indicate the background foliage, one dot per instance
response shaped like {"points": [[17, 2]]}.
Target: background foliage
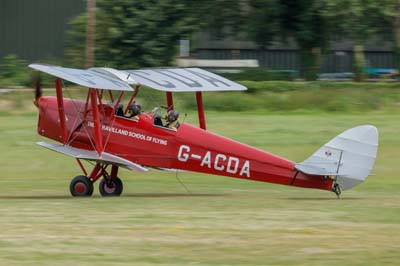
{"points": [[132, 34], [139, 33], [13, 72]]}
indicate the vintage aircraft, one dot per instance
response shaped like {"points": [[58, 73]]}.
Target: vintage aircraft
{"points": [[100, 132]]}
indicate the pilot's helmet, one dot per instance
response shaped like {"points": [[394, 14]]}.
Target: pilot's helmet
{"points": [[135, 109], [172, 115]]}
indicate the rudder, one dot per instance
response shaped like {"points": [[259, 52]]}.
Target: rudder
{"points": [[349, 157]]}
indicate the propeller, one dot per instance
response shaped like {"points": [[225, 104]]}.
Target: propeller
{"points": [[37, 83]]}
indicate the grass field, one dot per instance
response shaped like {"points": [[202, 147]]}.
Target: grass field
{"points": [[221, 221]]}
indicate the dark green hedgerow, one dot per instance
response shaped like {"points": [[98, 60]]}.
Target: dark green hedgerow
{"points": [[271, 96]]}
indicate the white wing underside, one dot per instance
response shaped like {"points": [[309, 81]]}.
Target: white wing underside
{"points": [[164, 79], [93, 156], [87, 78]]}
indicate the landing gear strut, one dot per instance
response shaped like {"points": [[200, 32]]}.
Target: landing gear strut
{"points": [[110, 185], [336, 189]]}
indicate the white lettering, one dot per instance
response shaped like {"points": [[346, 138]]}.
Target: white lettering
{"points": [[245, 169], [131, 134], [196, 156], [233, 164], [221, 161], [206, 160], [183, 157], [159, 141], [217, 158]]}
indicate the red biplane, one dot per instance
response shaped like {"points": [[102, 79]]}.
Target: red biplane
{"points": [[101, 132]]}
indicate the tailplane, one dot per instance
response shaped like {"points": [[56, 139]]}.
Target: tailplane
{"points": [[348, 158]]}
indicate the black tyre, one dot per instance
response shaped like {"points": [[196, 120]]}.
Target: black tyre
{"points": [[81, 186], [113, 187]]}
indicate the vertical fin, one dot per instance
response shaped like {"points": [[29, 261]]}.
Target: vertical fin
{"points": [[350, 157]]}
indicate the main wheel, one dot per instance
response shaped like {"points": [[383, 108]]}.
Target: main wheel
{"points": [[81, 186], [113, 187]]}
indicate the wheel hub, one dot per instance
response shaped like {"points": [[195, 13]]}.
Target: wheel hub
{"points": [[109, 188], [80, 188]]}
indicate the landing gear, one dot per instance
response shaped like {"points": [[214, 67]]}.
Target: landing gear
{"points": [[111, 187], [336, 189], [81, 186]]}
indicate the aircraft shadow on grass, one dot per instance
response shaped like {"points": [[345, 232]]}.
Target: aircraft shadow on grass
{"points": [[138, 195], [170, 195], [317, 199]]}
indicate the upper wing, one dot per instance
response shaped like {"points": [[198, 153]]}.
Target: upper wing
{"points": [[164, 79], [91, 78], [183, 79]]}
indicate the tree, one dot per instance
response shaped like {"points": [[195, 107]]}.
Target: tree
{"points": [[221, 17], [263, 21], [306, 21], [90, 33], [392, 25], [75, 42], [133, 33], [358, 20]]}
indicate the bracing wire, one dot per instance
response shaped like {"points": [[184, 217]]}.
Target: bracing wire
{"points": [[78, 116], [76, 109], [183, 185]]}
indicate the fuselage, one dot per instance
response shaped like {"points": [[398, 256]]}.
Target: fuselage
{"points": [[187, 148]]}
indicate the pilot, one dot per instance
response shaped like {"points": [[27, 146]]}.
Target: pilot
{"points": [[172, 119], [134, 111]]}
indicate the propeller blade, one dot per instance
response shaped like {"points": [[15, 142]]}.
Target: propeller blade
{"points": [[37, 83]]}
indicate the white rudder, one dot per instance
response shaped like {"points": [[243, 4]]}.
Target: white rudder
{"points": [[349, 157]]}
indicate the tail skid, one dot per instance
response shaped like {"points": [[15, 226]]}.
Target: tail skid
{"points": [[348, 158]]}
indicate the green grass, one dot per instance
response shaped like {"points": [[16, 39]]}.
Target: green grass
{"points": [[222, 221], [309, 97], [267, 96]]}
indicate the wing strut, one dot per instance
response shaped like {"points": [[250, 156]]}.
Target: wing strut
{"points": [[132, 98], [61, 113], [96, 120], [170, 101], [200, 110]]}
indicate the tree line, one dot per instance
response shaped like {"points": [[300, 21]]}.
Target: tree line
{"points": [[145, 33]]}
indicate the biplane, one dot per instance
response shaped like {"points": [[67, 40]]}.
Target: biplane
{"points": [[102, 133]]}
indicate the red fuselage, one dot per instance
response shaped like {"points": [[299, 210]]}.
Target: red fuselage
{"points": [[188, 148]]}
